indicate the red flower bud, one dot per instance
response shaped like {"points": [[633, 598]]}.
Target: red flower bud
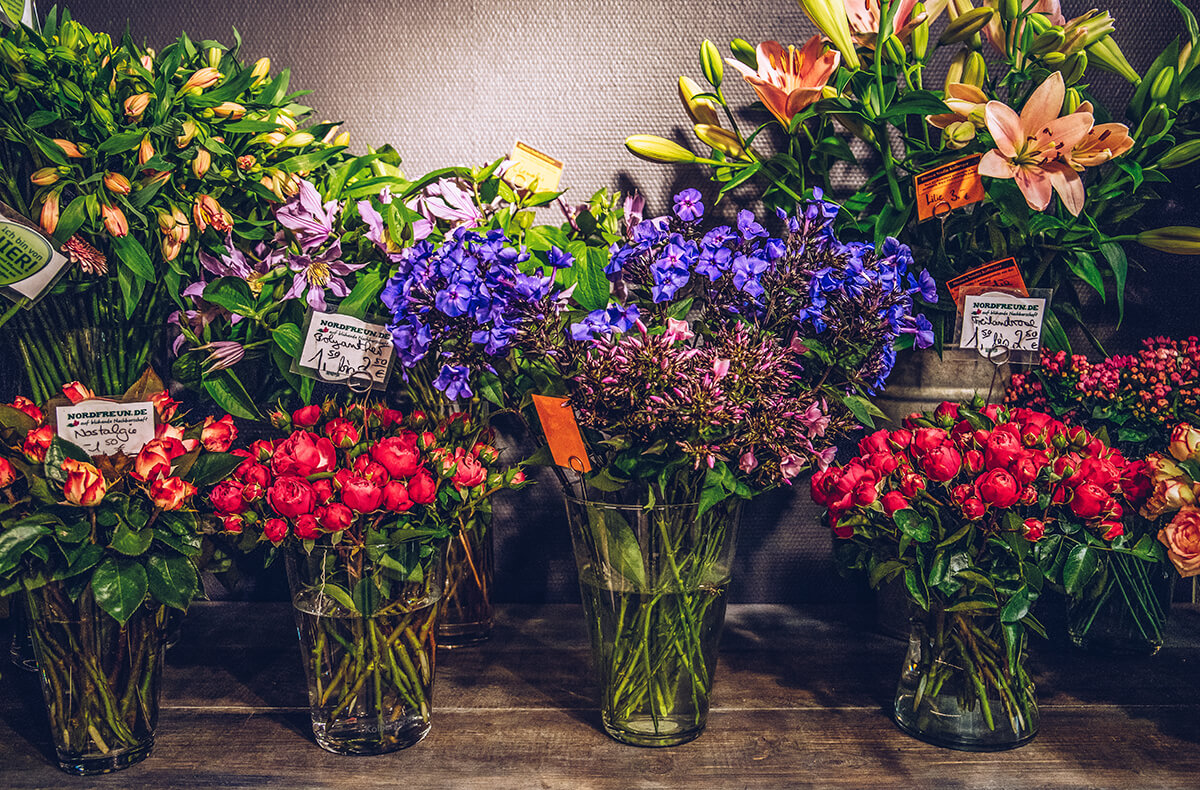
{"points": [[37, 443], [926, 439], [973, 509], [303, 454], [377, 473], [395, 497], [941, 463], [999, 489], [226, 498], [342, 433], [307, 416], [323, 489], [336, 517], [275, 529], [1090, 501], [422, 488], [471, 473], [29, 407], [233, 524], [874, 443], [1034, 529], [169, 493], [1112, 529], [361, 494], [7, 475], [893, 501], [84, 486], [306, 527]]}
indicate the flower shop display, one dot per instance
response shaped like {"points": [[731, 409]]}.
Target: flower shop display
{"points": [[129, 161], [101, 545], [364, 500], [974, 507], [1133, 401], [1013, 156]]}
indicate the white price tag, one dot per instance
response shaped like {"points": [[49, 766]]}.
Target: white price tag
{"points": [[995, 324], [104, 427], [339, 348]]}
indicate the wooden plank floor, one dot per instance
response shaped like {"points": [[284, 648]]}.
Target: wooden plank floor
{"points": [[801, 701]]}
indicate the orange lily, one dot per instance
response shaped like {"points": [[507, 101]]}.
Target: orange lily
{"points": [[788, 81], [1034, 147]]}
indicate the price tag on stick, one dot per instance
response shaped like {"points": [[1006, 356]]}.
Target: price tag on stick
{"points": [[345, 350], [943, 189], [1003, 275], [529, 168]]}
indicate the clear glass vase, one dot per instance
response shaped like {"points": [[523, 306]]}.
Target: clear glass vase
{"points": [[367, 623], [101, 680], [467, 616], [1126, 613], [958, 688], [653, 582]]}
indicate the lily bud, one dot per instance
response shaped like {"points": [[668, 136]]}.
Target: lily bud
{"points": [[201, 162], [1009, 10], [69, 148], [1072, 101], [135, 106], [114, 220], [958, 135], [700, 110], [1177, 239], [1054, 59], [1107, 55], [116, 183], [286, 121], [745, 52], [229, 109], [1155, 122], [711, 63], [145, 150], [966, 25], [720, 139], [920, 35], [45, 176], [262, 68], [271, 138], [201, 80], [1039, 23], [1160, 90], [1073, 70], [657, 149], [957, 66], [189, 133], [342, 139], [49, 215], [893, 50], [297, 140], [147, 62], [1181, 155], [214, 55], [975, 72], [830, 18], [1049, 41]]}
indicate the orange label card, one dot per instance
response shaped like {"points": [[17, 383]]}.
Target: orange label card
{"points": [[948, 187], [527, 165], [562, 433], [1003, 274]]}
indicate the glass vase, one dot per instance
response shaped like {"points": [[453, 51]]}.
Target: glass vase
{"points": [[367, 619], [1126, 613], [467, 616], [653, 582], [101, 680], [958, 687]]}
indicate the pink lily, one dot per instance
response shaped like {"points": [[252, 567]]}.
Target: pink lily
{"points": [[865, 17], [789, 80], [1033, 148]]}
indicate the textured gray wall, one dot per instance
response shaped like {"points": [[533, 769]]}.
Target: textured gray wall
{"points": [[457, 83]]}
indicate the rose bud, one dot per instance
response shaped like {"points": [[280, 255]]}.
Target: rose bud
{"points": [[422, 488], [947, 411], [865, 493], [515, 477], [941, 463], [1090, 501], [377, 473], [324, 490], [280, 419], [76, 392], [999, 489], [398, 454], [973, 508], [395, 497], [893, 501], [963, 434], [252, 492], [275, 530], [292, 496], [427, 440], [974, 461], [84, 486], [991, 411], [226, 498], [152, 462], [900, 438], [911, 484], [362, 494], [217, 436], [485, 453], [7, 475], [307, 417], [169, 493], [390, 417], [1029, 495], [1034, 529], [232, 524], [250, 471], [1025, 468], [962, 492], [1002, 449], [37, 443], [1181, 536], [29, 407], [1185, 442], [1135, 483], [306, 527], [263, 449], [343, 433], [1112, 529], [164, 405], [337, 517]]}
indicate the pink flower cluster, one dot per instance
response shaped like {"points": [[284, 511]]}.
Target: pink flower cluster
{"points": [[979, 465]]}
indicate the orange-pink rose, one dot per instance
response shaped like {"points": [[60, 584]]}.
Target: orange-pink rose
{"points": [[1182, 539], [85, 486]]}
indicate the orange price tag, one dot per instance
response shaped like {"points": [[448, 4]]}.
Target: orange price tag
{"points": [[562, 433], [1002, 274], [948, 187], [529, 167]]}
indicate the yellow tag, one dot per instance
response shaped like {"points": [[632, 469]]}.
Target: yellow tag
{"points": [[997, 274], [948, 187], [562, 433], [528, 165]]}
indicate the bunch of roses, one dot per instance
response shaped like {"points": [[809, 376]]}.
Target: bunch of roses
{"points": [[155, 468], [358, 468], [1176, 489], [977, 466]]}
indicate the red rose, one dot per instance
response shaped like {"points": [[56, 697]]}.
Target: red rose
{"points": [[874, 443], [973, 508], [1090, 501], [226, 498], [218, 435], [900, 439], [29, 407], [276, 529], [291, 496], [911, 484], [882, 463], [336, 517], [398, 454], [232, 524], [1112, 529], [262, 450], [376, 472], [1029, 495], [37, 443], [303, 454], [1100, 471], [947, 410], [991, 411], [342, 433], [1034, 529], [395, 497], [152, 462], [822, 484], [974, 461], [252, 492], [169, 493], [84, 486], [77, 393], [323, 488], [942, 463], [306, 527], [166, 406], [422, 488], [1035, 425], [963, 434], [1025, 468], [893, 501], [361, 494], [962, 492], [307, 417], [471, 473], [7, 475], [1003, 448], [926, 439], [999, 489], [1135, 483], [250, 471]]}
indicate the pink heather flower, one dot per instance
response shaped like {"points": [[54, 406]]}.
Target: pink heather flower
{"points": [[678, 330], [720, 369]]}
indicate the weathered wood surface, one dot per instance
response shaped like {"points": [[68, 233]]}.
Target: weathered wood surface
{"points": [[801, 701]]}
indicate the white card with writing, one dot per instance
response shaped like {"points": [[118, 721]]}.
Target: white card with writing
{"points": [[998, 323], [103, 427], [339, 348]]}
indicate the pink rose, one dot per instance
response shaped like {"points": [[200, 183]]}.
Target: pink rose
{"points": [[303, 454], [941, 463], [336, 517], [422, 488], [999, 489], [398, 454], [1182, 539], [218, 435], [1185, 442], [361, 494], [275, 529], [292, 496], [395, 497], [226, 498]]}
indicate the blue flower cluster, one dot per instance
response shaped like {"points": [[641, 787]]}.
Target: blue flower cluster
{"points": [[469, 296]]}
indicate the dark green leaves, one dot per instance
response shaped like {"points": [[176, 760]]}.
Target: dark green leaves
{"points": [[172, 580], [912, 524], [120, 586], [1080, 565], [616, 544], [232, 293]]}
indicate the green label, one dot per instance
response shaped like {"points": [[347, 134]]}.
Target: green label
{"points": [[23, 252]]}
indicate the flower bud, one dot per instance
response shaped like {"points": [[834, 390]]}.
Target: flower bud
{"points": [[145, 150], [1039, 23], [201, 162], [720, 139], [49, 216], [262, 68], [189, 133], [657, 149], [1071, 101], [116, 183], [744, 51], [1009, 10], [975, 70], [1181, 155], [893, 50], [45, 176], [711, 63], [1160, 89], [958, 135], [114, 219], [84, 486], [342, 139], [966, 25], [700, 110], [1155, 122], [297, 140], [1176, 239], [69, 148], [920, 35], [229, 109], [214, 55], [1075, 67], [1107, 55], [1050, 41], [135, 106], [958, 65], [7, 474], [201, 80]]}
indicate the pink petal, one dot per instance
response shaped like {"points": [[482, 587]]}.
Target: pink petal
{"points": [[1005, 126], [1068, 185], [1067, 132], [993, 164], [1034, 183], [1044, 105]]}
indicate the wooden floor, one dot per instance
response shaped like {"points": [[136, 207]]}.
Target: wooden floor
{"points": [[801, 701]]}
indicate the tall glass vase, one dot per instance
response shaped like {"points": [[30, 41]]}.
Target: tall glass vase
{"points": [[1126, 613], [653, 582], [367, 619], [467, 616], [101, 680], [958, 687]]}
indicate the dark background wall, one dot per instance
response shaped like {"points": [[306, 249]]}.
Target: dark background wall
{"points": [[457, 83]]}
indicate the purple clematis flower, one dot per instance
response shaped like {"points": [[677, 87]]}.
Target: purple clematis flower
{"points": [[306, 217], [316, 273]]}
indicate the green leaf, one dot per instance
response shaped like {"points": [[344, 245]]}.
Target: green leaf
{"points": [[120, 586], [915, 103], [862, 409], [230, 395], [83, 558], [884, 570], [1115, 255], [1081, 564], [310, 161], [915, 590], [743, 175], [16, 419], [1055, 338], [72, 219], [540, 238], [716, 487], [366, 597], [913, 525], [592, 286], [15, 541], [120, 142], [131, 542], [60, 450], [211, 468], [172, 580], [232, 293], [289, 338], [616, 544], [1083, 265], [1018, 606], [973, 603], [134, 256], [363, 297]]}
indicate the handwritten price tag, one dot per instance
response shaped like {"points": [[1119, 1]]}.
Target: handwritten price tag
{"points": [[529, 167], [943, 189], [339, 348], [103, 427], [995, 324]]}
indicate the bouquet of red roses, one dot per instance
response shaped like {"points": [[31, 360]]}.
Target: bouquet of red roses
{"points": [[974, 507]]}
